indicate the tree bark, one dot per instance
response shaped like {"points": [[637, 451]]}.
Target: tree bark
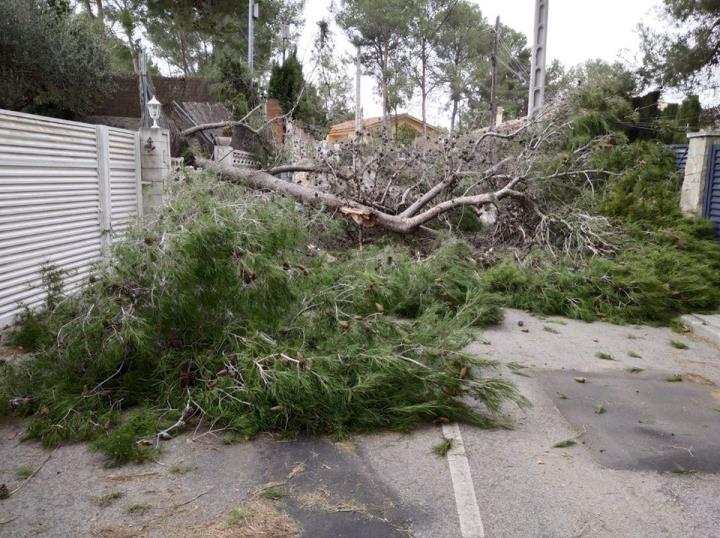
{"points": [[454, 113]]}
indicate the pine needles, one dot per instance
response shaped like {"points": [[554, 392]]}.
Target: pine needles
{"points": [[220, 308], [657, 276], [442, 448]]}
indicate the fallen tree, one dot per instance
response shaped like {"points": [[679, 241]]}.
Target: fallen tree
{"points": [[362, 214], [515, 170]]}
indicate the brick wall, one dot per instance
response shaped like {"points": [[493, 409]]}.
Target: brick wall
{"points": [[273, 109]]}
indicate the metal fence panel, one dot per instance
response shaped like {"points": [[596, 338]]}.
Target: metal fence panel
{"points": [[124, 184], [51, 202]]}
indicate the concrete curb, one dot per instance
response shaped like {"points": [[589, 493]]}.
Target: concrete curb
{"points": [[707, 327]]}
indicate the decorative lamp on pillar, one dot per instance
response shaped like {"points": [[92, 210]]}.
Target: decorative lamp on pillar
{"points": [[154, 110]]}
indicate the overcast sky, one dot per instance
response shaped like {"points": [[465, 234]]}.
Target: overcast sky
{"points": [[578, 30]]}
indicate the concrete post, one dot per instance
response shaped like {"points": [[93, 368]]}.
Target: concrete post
{"points": [[536, 98], [223, 155], [103, 159], [692, 195], [155, 166]]}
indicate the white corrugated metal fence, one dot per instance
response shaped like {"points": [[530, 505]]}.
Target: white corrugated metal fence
{"points": [[66, 189]]}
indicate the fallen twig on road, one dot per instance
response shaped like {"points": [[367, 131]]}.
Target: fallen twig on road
{"points": [[30, 476]]}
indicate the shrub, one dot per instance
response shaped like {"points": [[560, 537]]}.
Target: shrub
{"points": [[52, 62]]}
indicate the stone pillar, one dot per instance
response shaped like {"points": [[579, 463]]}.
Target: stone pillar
{"points": [[223, 155], [692, 195], [155, 166]]}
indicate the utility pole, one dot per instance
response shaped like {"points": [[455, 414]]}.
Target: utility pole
{"points": [[536, 99], [358, 105], [252, 14], [493, 86], [144, 88]]}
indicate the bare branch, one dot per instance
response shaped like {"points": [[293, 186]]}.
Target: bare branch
{"points": [[305, 168], [219, 124]]}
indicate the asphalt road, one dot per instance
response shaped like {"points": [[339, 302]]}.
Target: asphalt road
{"points": [[643, 466]]}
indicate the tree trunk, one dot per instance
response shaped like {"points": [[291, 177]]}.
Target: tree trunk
{"points": [[423, 85], [88, 7], [385, 96], [185, 65], [100, 10], [361, 214], [423, 90], [454, 114]]}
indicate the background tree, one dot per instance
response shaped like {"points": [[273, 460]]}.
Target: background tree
{"points": [[188, 34], [332, 83], [513, 73], [297, 97], [124, 20], [687, 53], [424, 33], [52, 61], [689, 113], [556, 81], [230, 82], [177, 38], [463, 46], [379, 27]]}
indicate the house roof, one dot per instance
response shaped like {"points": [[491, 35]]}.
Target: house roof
{"points": [[347, 127]]}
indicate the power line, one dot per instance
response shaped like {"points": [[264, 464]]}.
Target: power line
{"points": [[520, 76], [514, 60]]}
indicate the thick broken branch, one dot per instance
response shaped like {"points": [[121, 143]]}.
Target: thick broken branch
{"points": [[426, 198], [359, 213]]}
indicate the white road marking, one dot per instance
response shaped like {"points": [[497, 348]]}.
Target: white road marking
{"points": [[471, 525]]}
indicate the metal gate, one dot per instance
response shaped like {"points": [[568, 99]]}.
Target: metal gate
{"points": [[711, 209], [681, 153]]}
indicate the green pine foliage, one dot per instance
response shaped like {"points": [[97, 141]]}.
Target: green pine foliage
{"points": [[654, 278], [647, 190], [219, 304], [296, 95], [665, 265]]}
